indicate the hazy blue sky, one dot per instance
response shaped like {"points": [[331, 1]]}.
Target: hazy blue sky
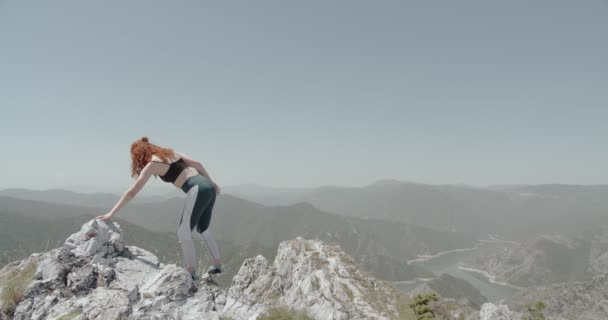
{"points": [[307, 93]]}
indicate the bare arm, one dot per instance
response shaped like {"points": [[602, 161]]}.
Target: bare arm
{"points": [[196, 165], [201, 170], [131, 193]]}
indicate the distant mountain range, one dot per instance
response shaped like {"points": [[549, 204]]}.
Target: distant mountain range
{"points": [[381, 247], [515, 212], [270, 196], [95, 200]]}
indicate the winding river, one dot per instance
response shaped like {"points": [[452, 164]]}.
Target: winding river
{"points": [[449, 263]]}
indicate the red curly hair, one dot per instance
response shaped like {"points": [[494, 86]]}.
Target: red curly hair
{"points": [[141, 154]]}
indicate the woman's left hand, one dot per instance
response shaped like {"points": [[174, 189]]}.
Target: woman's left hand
{"points": [[216, 187], [105, 217]]}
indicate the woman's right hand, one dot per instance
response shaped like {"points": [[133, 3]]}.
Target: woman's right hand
{"points": [[105, 217]]}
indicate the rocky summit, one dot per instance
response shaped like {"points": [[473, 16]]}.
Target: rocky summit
{"points": [[95, 276]]}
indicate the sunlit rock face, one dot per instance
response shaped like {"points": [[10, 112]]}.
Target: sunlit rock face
{"points": [[94, 275]]}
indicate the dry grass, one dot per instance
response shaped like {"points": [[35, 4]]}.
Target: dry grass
{"points": [[403, 307], [348, 291], [14, 285], [283, 313]]}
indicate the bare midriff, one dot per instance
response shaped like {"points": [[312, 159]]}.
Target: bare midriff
{"points": [[184, 175]]}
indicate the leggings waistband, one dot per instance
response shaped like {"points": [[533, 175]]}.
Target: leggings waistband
{"points": [[202, 181]]}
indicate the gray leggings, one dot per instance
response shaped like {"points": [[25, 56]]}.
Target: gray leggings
{"points": [[196, 214]]}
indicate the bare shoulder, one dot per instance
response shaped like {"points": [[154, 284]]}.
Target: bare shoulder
{"points": [[181, 155], [188, 160], [157, 165], [155, 158]]}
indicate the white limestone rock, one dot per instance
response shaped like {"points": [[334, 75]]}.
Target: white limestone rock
{"points": [[490, 311], [106, 304], [94, 237], [95, 276], [172, 281], [313, 277]]}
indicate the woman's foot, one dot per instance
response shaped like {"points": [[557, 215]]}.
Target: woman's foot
{"points": [[213, 270]]}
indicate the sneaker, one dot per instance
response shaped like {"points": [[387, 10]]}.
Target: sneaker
{"points": [[213, 270]]}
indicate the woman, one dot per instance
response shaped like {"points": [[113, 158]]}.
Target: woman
{"points": [[190, 176]]}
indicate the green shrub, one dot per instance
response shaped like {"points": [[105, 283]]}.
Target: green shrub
{"points": [[283, 313], [535, 311], [421, 306], [13, 287], [405, 312]]}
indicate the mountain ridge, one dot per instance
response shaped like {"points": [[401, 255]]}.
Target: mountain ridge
{"points": [[382, 247]]}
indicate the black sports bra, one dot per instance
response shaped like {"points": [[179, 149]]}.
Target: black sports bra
{"points": [[175, 168]]}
